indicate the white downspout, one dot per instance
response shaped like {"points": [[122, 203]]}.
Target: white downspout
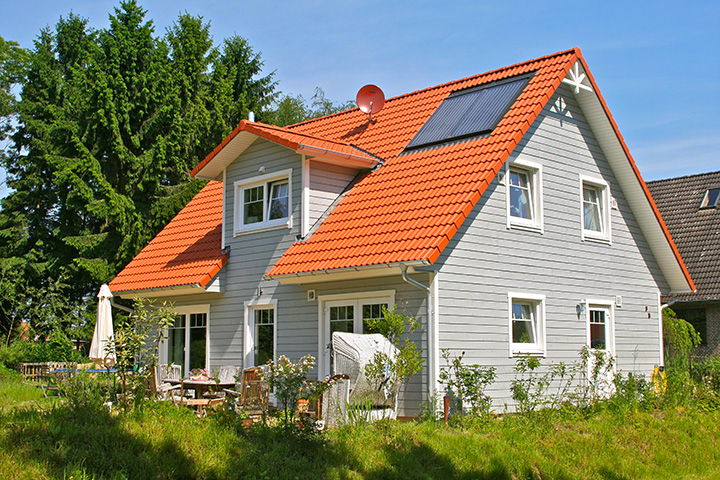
{"points": [[432, 361], [662, 342]]}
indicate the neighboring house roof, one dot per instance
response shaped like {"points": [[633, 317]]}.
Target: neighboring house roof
{"points": [[185, 255], [696, 231], [407, 211]]}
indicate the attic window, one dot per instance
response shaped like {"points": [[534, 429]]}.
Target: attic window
{"points": [[711, 199], [470, 112]]}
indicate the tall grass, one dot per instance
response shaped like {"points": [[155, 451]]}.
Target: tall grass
{"points": [[164, 442], [83, 441]]}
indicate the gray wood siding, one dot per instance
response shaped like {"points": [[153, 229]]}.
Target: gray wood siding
{"points": [[408, 298], [252, 255], [486, 260], [326, 183]]}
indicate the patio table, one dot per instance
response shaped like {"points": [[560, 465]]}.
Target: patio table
{"points": [[200, 386]]}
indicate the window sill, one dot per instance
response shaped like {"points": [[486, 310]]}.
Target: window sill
{"points": [[262, 228], [516, 352], [589, 237], [525, 227]]}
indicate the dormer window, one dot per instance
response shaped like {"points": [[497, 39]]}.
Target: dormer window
{"points": [[711, 198], [263, 202]]}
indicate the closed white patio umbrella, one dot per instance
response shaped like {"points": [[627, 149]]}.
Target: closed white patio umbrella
{"points": [[103, 330]]}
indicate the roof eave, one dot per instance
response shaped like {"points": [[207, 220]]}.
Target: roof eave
{"points": [[337, 158], [354, 273], [174, 290]]}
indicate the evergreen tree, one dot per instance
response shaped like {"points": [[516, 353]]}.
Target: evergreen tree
{"points": [[110, 124]]}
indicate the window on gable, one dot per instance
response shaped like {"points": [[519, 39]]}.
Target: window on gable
{"points": [[469, 113], [595, 209], [521, 195], [263, 202], [711, 198], [527, 323], [524, 195]]}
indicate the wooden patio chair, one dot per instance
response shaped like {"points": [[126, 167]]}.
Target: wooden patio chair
{"points": [[161, 389], [254, 394]]}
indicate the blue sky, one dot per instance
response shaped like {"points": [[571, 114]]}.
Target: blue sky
{"points": [[656, 63]]}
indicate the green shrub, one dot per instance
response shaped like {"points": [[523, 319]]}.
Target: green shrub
{"points": [[467, 384], [287, 380], [680, 339], [633, 393], [57, 348], [706, 370], [393, 326]]}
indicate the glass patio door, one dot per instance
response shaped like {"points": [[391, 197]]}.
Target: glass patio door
{"points": [[187, 341], [350, 316]]}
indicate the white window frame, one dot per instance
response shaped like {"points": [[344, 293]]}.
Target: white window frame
{"points": [[534, 173], [249, 328], [264, 181], [188, 310], [605, 205], [537, 303], [357, 299], [706, 199], [609, 306]]}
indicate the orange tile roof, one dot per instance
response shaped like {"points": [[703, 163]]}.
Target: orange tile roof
{"points": [[406, 211], [295, 140], [185, 253], [409, 209]]}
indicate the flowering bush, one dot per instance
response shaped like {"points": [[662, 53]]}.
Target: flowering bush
{"points": [[288, 380]]}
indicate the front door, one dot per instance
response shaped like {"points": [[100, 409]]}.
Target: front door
{"points": [[600, 339]]}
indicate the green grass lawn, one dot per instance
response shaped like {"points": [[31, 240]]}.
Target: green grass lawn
{"points": [[43, 438]]}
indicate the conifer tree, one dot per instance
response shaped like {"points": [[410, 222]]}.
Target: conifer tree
{"points": [[110, 123]]}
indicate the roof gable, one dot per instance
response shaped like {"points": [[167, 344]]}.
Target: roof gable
{"points": [[247, 132], [408, 210]]}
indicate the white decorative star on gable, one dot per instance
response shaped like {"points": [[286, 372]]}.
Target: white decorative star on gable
{"points": [[575, 79]]}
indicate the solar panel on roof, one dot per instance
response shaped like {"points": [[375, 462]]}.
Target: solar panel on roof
{"points": [[469, 113]]}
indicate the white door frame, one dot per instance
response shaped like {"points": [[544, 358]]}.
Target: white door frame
{"points": [[249, 330], [187, 311], [356, 299]]}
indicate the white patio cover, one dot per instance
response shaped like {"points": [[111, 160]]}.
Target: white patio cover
{"points": [[351, 352], [103, 330]]}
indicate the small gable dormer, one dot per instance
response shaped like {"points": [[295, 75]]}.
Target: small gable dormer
{"points": [[317, 173]]}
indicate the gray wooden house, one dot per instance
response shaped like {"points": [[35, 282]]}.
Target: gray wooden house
{"points": [[503, 211]]}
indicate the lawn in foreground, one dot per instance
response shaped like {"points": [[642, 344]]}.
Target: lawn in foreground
{"points": [[162, 441]]}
